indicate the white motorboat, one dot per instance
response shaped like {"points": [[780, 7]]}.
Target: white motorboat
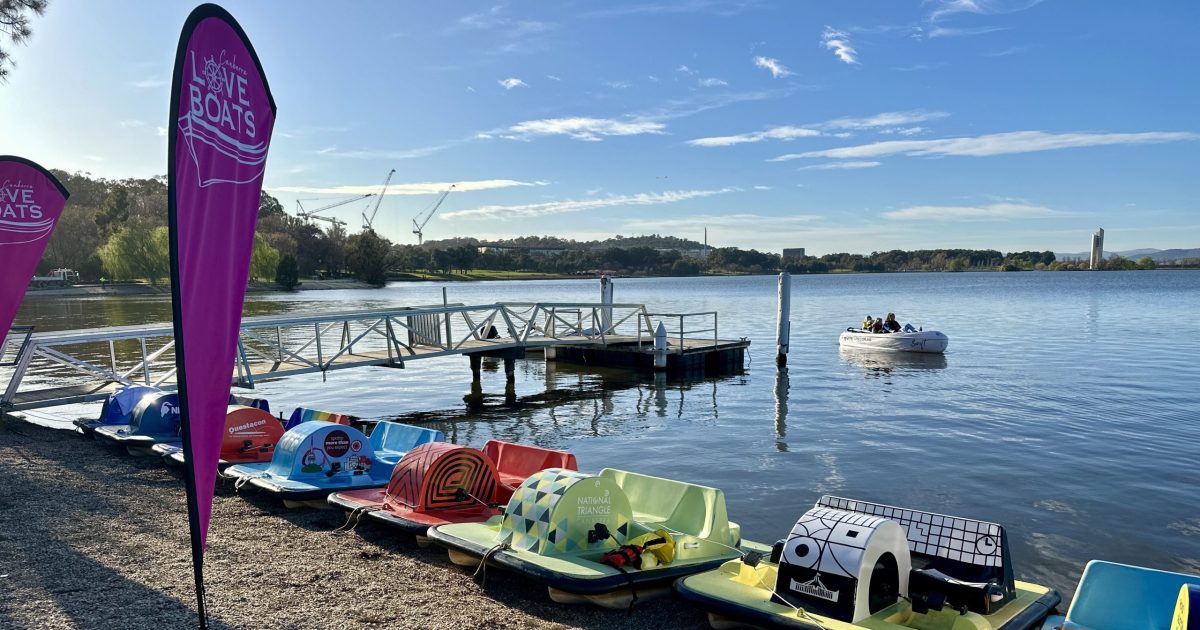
{"points": [[930, 341]]}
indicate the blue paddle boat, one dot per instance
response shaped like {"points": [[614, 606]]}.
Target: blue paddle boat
{"points": [[316, 458], [118, 408], [1113, 596], [155, 419]]}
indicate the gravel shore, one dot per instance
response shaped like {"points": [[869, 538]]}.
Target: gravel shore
{"points": [[91, 537]]}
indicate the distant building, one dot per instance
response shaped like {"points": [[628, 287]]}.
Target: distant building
{"points": [[537, 252], [1097, 249], [793, 252]]}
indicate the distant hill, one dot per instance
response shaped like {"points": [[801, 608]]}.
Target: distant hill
{"points": [[1157, 255]]}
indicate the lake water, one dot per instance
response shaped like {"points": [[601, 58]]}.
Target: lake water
{"points": [[1065, 409]]}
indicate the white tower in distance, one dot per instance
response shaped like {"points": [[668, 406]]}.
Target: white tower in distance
{"points": [[1097, 249]]}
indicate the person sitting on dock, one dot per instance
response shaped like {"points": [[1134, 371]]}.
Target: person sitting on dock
{"points": [[890, 324]]}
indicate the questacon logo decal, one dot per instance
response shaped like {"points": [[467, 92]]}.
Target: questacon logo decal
{"points": [[218, 117], [22, 219]]}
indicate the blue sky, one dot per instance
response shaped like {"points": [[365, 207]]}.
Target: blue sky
{"points": [[835, 126]]}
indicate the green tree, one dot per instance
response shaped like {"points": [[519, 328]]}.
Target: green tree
{"points": [[287, 274], [15, 16], [114, 212], [264, 260], [367, 256], [269, 206], [137, 251], [1146, 262]]}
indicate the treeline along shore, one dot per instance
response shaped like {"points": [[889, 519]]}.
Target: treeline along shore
{"points": [[115, 230]]}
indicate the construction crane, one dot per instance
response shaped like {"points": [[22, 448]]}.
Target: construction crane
{"points": [[368, 223], [311, 215], [419, 222]]}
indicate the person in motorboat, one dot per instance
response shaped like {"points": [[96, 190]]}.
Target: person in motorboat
{"points": [[867, 321], [877, 326], [890, 324]]}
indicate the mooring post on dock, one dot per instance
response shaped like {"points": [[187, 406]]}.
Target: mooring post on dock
{"points": [[606, 299], [476, 364], [784, 330], [660, 347]]}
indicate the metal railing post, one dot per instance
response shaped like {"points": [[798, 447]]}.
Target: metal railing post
{"points": [[145, 363]]}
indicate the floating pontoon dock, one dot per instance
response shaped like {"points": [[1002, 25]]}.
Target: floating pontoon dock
{"points": [[61, 367]]}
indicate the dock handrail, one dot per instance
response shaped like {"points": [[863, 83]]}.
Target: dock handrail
{"points": [[681, 333]]}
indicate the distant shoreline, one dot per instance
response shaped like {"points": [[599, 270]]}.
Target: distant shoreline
{"points": [[131, 289]]}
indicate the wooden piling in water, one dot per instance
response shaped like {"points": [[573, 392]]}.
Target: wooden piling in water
{"points": [[783, 331]]}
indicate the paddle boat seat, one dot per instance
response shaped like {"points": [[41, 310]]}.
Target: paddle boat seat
{"points": [[856, 564], [559, 523], [1115, 596], [303, 414], [391, 440], [250, 435], [515, 462], [313, 460], [678, 507]]}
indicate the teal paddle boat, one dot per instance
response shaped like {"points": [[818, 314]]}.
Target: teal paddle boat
{"points": [[316, 458], [1113, 596]]}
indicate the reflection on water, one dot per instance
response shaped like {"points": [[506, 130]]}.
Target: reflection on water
{"points": [[880, 363], [1061, 419], [782, 385]]}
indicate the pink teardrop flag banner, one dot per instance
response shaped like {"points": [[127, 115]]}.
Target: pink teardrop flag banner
{"points": [[222, 114], [31, 200]]}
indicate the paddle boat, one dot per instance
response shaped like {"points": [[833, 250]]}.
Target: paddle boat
{"points": [[438, 483], [317, 457], [250, 436], [853, 564], [117, 408], [1113, 596], [916, 341], [611, 538], [302, 414], [155, 419]]}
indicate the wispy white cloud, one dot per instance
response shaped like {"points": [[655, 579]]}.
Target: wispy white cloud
{"points": [[552, 77], [991, 212], [94, 158], [582, 128], [682, 69], [416, 188], [835, 166], [149, 82], [774, 133], [618, 85], [884, 119], [1011, 50], [493, 19], [712, 82], [943, 31], [524, 211], [722, 8], [512, 82], [750, 221], [917, 67], [380, 154], [651, 77], [160, 132], [777, 70], [903, 131], [890, 122], [132, 124], [839, 43], [946, 8], [763, 187], [994, 144]]}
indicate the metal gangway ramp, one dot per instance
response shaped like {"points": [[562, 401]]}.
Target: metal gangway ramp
{"points": [[62, 367]]}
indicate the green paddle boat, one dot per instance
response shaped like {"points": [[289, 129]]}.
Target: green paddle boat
{"points": [[853, 564], [611, 538]]}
